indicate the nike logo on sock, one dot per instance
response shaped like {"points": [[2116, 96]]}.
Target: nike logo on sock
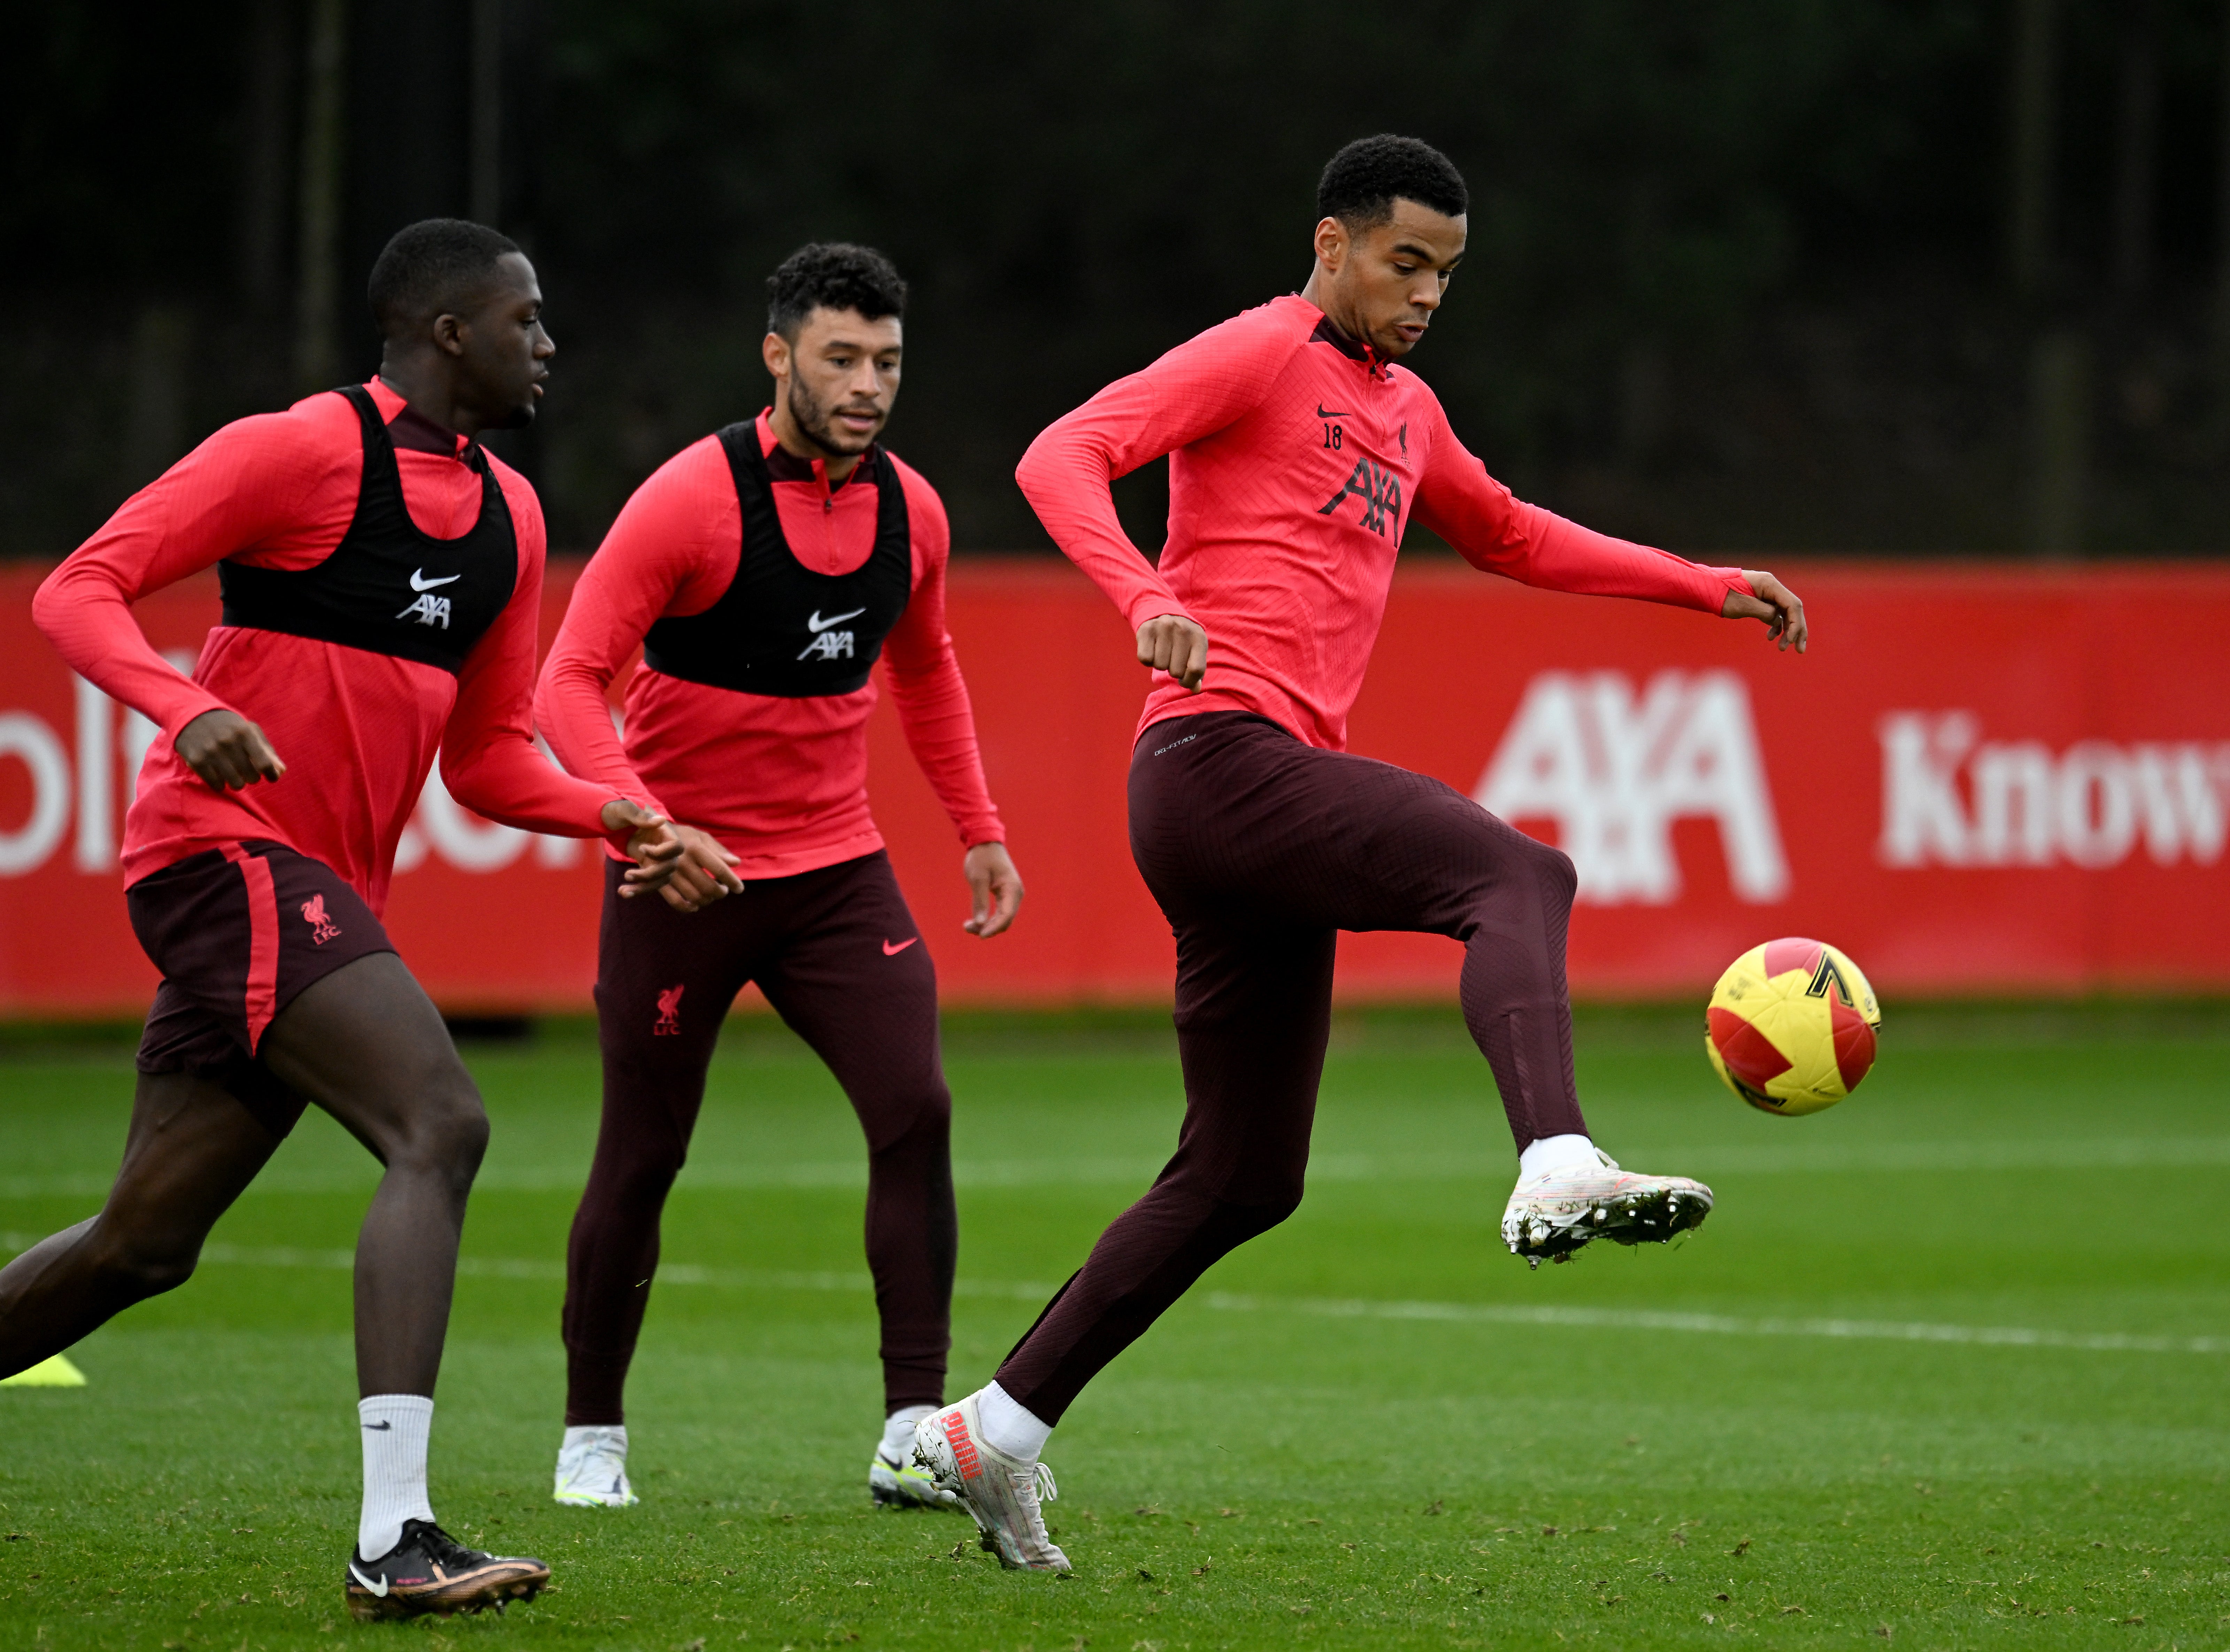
{"points": [[380, 1588], [892, 949], [376, 1427]]}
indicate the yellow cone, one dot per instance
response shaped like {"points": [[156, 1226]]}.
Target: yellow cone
{"points": [[57, 1372]]}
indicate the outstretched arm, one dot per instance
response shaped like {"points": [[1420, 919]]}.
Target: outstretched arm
{"points": [[1457, 500], [1195, 390]]}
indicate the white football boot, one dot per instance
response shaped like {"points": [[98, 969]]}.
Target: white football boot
{"points": [[892, 1480], [1552, 1215], [1001, 1493], [901, 1484], [592, 1469]]}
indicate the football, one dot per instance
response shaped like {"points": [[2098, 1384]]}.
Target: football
{"points": [[1791, 1027]]}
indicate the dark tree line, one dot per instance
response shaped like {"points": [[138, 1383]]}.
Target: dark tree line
{"points": [[1809, 274]]}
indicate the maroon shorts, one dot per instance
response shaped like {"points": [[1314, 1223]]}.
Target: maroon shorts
{"points": [[237, 932]]}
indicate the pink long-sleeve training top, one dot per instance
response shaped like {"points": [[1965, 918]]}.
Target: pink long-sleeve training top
{"points": [[358, 730], [1297, 459], [781, 782]]}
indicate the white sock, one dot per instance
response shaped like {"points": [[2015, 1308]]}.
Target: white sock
{"points": [[897, 1448], [1556, 1153], [615, 1432], [1008, 1429], [395, 1428]]}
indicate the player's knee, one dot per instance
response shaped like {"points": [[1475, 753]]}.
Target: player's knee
{"points": [[1261, 1198], [931, 1115], [1563, 875], [447, 1133], [462, 1136], [909, 1124], [144, 1263], [1258, 1219], [1546, 867]]}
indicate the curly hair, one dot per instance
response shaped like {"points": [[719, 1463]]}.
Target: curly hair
{"points": [[1361, 184], [837, 275]]}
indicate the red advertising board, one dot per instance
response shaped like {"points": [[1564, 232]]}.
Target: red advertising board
{"points": [[1980, 780]]}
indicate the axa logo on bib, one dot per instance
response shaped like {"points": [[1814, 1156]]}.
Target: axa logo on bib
{"points": [[1614, 768], [1949, 797]]}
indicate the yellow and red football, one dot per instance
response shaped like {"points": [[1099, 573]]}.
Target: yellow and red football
{"points": [[1791, 1027]]}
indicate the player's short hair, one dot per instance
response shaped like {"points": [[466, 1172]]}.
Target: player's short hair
{"points": [[430, 267], [837, 275], [1361, 184]]}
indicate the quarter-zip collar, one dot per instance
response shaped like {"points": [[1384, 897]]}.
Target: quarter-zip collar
{"points": [[413, 432], [783, 465], [1329, 332], [1353, 349]]}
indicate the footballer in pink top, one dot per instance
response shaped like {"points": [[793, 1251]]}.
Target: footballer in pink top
{"points": [[765, 571], [1299, 451], [381, 574]]}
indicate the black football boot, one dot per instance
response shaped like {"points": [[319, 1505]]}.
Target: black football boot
{"points": [[429, 1570]]}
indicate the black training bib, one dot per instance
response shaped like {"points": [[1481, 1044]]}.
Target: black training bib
{"points": [[781, 629], [389, 588]]}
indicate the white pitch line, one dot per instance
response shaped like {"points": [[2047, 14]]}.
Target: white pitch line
{"points": [[1825, 1159], [1727, 1325], [1569, 1319]]}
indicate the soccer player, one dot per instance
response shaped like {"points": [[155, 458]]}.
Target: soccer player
{"points": [[1299, 451], [382, 575], [763, 570]]}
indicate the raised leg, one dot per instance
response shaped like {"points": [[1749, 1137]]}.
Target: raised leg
{"points": [[1259, 849], [190, 1149], [1249, 815], [1406, 851]]}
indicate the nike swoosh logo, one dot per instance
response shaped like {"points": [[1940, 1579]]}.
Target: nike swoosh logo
{"points": [[816, 624], [380, 1588], [890, 950], [1322, 414], [419, 582], [378, 1427]]}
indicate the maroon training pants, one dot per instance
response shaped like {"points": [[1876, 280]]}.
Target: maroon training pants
{"points": [[836, 952], [1259, 849]]}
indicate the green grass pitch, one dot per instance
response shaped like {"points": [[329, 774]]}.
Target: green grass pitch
{"points": [[1949, 1367]]}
